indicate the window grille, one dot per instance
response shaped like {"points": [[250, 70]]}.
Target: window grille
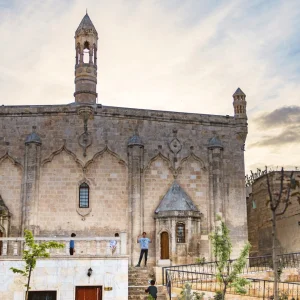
{"points": [[84, 195], [180, 233]]}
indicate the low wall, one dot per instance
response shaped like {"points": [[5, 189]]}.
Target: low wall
{"points": [[64, 274]]}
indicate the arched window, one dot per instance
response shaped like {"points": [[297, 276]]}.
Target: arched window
{"points": [[84, 192], [86, 52], [180, 233]]}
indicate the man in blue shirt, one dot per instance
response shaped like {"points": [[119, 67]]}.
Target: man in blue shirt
{"points": [[72, 244], [144, 244]]}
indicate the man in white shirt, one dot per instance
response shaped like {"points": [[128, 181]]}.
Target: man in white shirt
{"points": [[144, 243]]}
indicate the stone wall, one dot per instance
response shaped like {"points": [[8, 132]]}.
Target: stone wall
{"points": [[10, 190], [126, 183], [63, 275], [259, 220], [157, 180]]}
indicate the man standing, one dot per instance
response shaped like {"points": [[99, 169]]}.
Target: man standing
{"points": [[144, 243], [72, 244]]}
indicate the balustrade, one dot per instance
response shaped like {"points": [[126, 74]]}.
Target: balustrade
{"points": [[85, 246]]}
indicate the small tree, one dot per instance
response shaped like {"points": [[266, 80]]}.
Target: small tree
{"points": [[279, 192], [228, 272], [31, 254], [186, 293]]}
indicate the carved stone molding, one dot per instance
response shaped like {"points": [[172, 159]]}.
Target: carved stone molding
{"points": [[175, 146], [100, 153], [241, 136], [85, 139], [164, 158], [63, 148], [83, 212], [11, 159]]}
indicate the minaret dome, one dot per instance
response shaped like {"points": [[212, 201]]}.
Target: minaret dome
{"points": [[239, 104], [86, 38]]}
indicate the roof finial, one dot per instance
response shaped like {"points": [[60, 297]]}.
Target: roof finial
{"points": [[86, 10]]}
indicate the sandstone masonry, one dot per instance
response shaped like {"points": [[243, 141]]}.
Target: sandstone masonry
{"points": [[129, 158]]}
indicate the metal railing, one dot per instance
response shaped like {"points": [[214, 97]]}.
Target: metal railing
{"points": [[208, 282], [84, 246], [254, 264], [202, 276]]}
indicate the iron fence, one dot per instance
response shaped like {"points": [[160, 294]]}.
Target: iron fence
{"points": [[208, 282], [254, 264]]}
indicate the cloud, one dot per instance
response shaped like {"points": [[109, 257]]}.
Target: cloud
{"points": [[290, 135], [171, 55], [280, 117]]}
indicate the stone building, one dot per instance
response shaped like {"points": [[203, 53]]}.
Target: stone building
{"points": [[259, 217], [96, 170]]}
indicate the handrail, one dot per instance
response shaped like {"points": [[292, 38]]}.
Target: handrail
{"points": [[254, 264], [208, 282]]}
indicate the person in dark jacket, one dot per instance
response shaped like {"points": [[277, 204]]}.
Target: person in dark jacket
{"points": [[152, 289]]}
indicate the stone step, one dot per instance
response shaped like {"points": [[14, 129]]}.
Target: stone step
{"points": [[140, 276], [138, 281]]}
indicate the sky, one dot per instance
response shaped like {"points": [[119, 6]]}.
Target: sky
{"points": [[175, 55]]}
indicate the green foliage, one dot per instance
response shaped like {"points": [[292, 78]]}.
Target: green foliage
{"points": [[227, 270], [33, 252], [186, 293], [239, 285], [218, 295], [280, 267], [283, 296], [200, 260]]}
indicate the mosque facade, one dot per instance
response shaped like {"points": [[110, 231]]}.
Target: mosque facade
{"points": [[98, 170]]}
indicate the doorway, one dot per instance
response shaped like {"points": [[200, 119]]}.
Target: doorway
{"points": [[88, 293], [164, 245], [42, 295]]}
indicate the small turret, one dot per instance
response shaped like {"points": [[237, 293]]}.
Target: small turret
{"points": [[239, 104], [86, 38]]}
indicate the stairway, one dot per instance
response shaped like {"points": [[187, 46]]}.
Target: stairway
{"points": [[138, 281]]}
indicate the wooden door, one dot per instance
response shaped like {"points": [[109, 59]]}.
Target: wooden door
{"points": [[164, 244], [88, 293]]}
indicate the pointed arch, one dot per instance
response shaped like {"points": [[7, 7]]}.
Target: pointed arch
{"points": [[192, 156], [11, 159], [164, 158], [69, 152], [101, 153], [165, 229]]}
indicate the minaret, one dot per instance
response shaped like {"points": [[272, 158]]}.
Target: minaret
{"points": [[239, 104], [86, 38]]}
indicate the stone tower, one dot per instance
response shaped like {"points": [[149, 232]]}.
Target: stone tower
{"points": [[86, 38], [239, 104]]}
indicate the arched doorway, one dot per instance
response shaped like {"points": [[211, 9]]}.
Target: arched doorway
{"points": [[164, 245]]}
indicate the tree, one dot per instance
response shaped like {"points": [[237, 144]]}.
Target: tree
{"points": [[279, 192], [228, 271], [32, 252], [186, 293]]}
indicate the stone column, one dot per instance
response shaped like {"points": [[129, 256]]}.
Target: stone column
{"points": [[216, 178], [31, 182], [135, 161]]}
